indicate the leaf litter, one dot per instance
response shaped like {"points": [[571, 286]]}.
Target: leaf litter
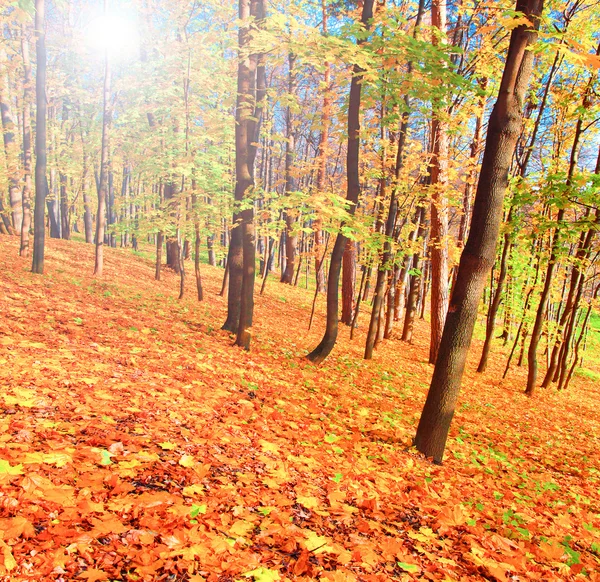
{"points": [[137, 444]]}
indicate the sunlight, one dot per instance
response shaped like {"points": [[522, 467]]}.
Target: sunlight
{"points": [[114, 33]]}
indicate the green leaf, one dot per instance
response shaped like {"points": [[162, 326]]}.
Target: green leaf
{"points": [[197, 510], [331, 438], [408, 567], [8, 470], [105, 457]]}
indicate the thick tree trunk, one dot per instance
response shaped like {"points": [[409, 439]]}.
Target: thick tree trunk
{"points": [[251, 85], [479, 252], [39, 228], [353, 191]]}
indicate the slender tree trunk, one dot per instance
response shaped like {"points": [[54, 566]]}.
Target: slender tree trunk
{"points": [[27, 154], [103, 186], [479, 252], [348, 281], [416, 278], [291, 239], [39, 230], [159, 247], [322, 153], [11, 155], [438, 241], [353, 191], [536, 332], [65, 225], [497, 298], [386, 257], [87, 203]]}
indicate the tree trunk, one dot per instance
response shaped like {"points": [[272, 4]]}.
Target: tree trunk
{"points": [[251, 84], [39, 227], [348, 281], [27, 154], [438, 240], [103, 186], [159, 246], [291, 239], [536, 332], [353, 191], [11, 155], [479, 252], [497, 297]]}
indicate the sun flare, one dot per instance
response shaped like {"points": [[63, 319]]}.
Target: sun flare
{"points": [[116, 34]]}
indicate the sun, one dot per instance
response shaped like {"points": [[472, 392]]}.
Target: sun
{"points": [[113, 33]]}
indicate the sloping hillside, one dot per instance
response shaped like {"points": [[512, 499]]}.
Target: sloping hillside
{"points": [[138, 444]]}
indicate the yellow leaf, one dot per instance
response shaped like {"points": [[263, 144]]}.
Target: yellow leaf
{"points": [[9, 561], [309, 502], [269, 447], [8, 470], [187, 461], [193, 490], [167, 446]]}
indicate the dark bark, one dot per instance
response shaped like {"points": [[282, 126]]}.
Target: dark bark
{"points": [[348, 281], [438, 239], [478, 256], [415, 280], [497, 297], [540, 316], [353, 191], [251, 85]]}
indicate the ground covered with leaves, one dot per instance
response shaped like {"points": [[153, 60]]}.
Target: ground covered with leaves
{"points": [[136, 443]]}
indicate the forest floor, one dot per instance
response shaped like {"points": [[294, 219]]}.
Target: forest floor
{"points": [[136, 443]]}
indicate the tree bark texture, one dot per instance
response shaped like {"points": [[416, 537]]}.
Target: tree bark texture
{"points": [[41, 186], [478, 255], [27, 153], [352, 193], [104, 155], [438, 239]]}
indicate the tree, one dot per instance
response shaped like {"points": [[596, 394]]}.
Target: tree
{"points": [[479, 253], [352, 193], [250, 97], [39, 231], [104, 161]]}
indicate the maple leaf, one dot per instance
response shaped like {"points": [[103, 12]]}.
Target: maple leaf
{"points": [[167, 446], [187, 461]]}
